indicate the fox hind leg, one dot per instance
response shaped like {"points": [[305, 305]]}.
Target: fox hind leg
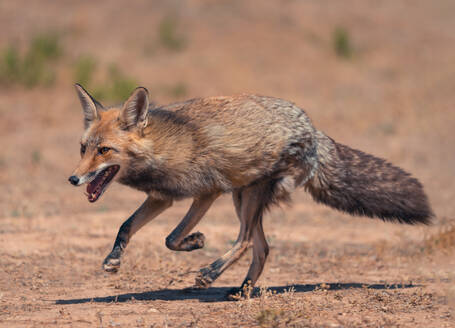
{"points": [[260, 253], [250, 203], [210, 273]]}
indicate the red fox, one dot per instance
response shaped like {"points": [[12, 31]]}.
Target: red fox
{"points": [[258, 148]]}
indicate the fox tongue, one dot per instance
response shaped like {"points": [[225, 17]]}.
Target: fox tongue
{"points": [[91, 187], [92, 195], [95, 188]]}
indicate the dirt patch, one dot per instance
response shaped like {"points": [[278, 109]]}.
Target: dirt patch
{"points": [[55, 278]]}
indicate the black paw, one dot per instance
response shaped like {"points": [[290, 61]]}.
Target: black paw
{"points": [[194, 241], [112, 262], [203, 279]]}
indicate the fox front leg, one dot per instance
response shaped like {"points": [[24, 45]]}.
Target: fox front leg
{"points": [[178, 239], [150, 209]]}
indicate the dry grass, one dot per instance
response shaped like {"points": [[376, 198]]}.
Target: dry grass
{"points": [[443, 240]]}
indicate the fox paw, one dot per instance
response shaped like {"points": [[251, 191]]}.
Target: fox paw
{"points": [[112, 262], [203, 279], [246, 291], [194, 241]]}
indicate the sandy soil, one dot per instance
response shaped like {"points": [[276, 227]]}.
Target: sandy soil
{"points": [[393, 98]]}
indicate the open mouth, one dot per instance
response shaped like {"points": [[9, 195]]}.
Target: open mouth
{"points": [[98, 185]]}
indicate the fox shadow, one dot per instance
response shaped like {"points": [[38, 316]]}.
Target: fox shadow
{"points": [[218, 294]]}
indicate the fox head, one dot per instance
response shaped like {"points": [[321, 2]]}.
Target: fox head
{"points": [[107, 139]]}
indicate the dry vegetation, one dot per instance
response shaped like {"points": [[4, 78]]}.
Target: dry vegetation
{"points": [[378, 76], [443, 240]]}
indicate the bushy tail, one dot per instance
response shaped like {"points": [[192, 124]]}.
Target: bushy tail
{"points": [[361, 184]]}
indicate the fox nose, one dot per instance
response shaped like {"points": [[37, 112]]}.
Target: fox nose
{"points": [[74, 180]]}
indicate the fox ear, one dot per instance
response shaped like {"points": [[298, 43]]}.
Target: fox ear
{"points": [[134, 111], [90, 106]]}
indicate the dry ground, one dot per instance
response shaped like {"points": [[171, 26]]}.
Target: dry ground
{"points": [[393, 97]]}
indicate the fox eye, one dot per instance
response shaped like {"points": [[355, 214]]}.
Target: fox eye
{"points": [[82, 149], [103, 150]]}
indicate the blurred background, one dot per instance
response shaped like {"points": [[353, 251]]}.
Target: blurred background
{"points": [[376, 75]]}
